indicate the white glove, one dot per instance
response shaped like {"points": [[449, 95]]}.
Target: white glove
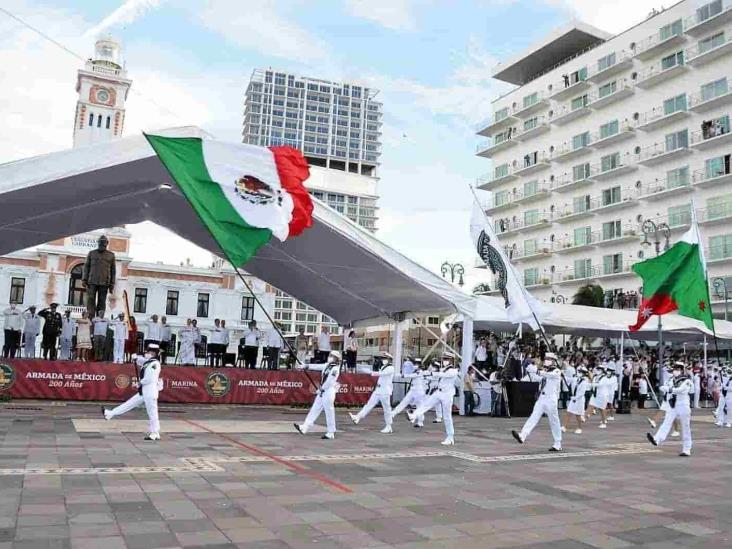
{"points": [[133, 357]]}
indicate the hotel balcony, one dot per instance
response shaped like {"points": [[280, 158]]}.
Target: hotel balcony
{"points": [[560, 91], [568, 150], [718, 254], [594, 272], [490, 181], [625, 131], [655, 74], [719, 213], [628, 195], [493, 207], [655, 44], [622, 90], [714, 135], [658, 117], [489, 147], [697, 25], [600, 172], [698, 56], [568, 113], [569, 182], [531, 105], [665, 188], [522, 254], [526, 198], [708, 178], [532, 164], [655, 154], [705, 101], [492, 125], [536, 128], [573, 213], [623, 61], [503, 227], [570, 244], [628, 233]]}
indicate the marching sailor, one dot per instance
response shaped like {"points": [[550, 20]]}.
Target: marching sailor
{"points": [[721, 380], [441, 398], [381, 394], [546, 403], [725, 396], [147, 392], [576, 404], [601, 384], [679, 402], [325, 396], [415, 395]]}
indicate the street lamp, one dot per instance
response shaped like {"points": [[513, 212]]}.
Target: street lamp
{"points": [[657, 230], [720, 288], [453, 269], [558, 298]]}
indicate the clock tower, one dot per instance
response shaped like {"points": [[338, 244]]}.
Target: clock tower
{"points": [[102, 86]]}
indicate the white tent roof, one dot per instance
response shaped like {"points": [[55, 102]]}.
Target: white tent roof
{"points": [[335, 266], [580, 320]]}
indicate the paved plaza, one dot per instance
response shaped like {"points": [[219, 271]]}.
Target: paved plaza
{"points": [[240, 477]]}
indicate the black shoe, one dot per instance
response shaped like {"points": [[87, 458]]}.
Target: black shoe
{"points": [[417, 426], [553, 449], [517, 437], [299, 430], [651, 439], [103, 414]]}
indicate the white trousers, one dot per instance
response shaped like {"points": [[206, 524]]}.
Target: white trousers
{"points": [[65, 349], [548, 407], [697, 397], [151, 407], [443, 403], [29, 346], [322, 403], [375, 399], [118, 351], [413, 398], [683, 414], [721, 416]]}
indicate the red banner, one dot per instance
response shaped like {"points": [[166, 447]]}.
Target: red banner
{"points": [[65, 380]]}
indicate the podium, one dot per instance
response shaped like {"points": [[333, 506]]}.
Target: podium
{"points": [[521, 397]]}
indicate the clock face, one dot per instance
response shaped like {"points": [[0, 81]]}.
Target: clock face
{"points": [[102, 96]]}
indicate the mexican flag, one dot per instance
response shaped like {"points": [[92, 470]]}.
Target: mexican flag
{"points": [[244, 194], [676, 280]]}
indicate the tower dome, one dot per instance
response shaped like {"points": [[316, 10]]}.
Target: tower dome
{"points": [[107, 51]]}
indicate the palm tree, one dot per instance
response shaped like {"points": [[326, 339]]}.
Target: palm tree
{"points": [[481, 289], [591, 295]]}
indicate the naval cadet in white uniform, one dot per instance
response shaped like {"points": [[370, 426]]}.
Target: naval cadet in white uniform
{"points": [[546, 403], [415, 395], [325, 396], [147, 393], [441, 399], [381, 394], [679, 401]]}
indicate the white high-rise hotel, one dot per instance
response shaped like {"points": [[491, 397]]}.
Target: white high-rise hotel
{"points": [[603, 133]]}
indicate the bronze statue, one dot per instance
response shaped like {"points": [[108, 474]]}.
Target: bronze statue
{"points": [[98, 277]]}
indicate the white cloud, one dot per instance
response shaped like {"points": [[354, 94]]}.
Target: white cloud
{"points": [[612, 16], [258, 25], [126, 13], [391, 14]]}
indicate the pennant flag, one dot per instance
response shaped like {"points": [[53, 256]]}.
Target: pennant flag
{"points": [[676, 280], [244, 194], [521, 306]]}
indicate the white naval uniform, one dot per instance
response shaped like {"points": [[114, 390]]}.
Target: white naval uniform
{"points": [[68, 328], [723, 416], [187, 354], [31, 329], [415, 395], [120, 331], [441, 399], [697, 389], [576, 404], [381, 394], [600, 388], [325, 397], [666, 390], [722, 402], [680, 388], [151, 385], [546, 404]]}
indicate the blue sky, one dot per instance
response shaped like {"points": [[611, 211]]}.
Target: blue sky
{"points": [[431, 59]]}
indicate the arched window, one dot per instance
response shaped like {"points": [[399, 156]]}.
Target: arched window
{"points": [[99, 121], [109, 119], [91, 118], [76, 289]]}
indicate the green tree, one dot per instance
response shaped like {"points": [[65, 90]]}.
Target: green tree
{"points": [[591, 295]]}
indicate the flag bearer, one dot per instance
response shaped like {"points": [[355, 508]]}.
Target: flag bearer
{"points": [[325, 397], [442, 398], [681, 386]]}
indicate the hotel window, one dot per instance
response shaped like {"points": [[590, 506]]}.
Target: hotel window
{"points": [[716, 167], [501, 198], [606, 62], [582, 236], [612, 264], [202, 306], [578, 76], [709, 10], [140, 302], [674, 104], [678, 177], [531, 217], [531, 123], [714, 89], [611, 229], [611, 128], [171, 303], [580, 141], [711, 42], [582, 268], [531, 276], [720, 247], [672, 29], [610, 162], [500, 171], [607, 89], [581, 203], [611, 196], [719, 207], [579, 102], [677, 140], [530, 246], [17, 290], [678, 216], [531, 188], [247, 308], [672, 60], [581, 171], [531, 99]]}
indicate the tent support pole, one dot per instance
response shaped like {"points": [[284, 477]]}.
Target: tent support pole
{"points": [[398, 343], [440, 338], [467, 355]]}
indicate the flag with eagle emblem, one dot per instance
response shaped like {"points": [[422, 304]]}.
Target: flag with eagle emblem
{"points": [[676, 280], [521, 306], [244, 194]]}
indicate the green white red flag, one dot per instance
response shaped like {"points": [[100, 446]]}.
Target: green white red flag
{"points": [[244, 194], [676, 280]]}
